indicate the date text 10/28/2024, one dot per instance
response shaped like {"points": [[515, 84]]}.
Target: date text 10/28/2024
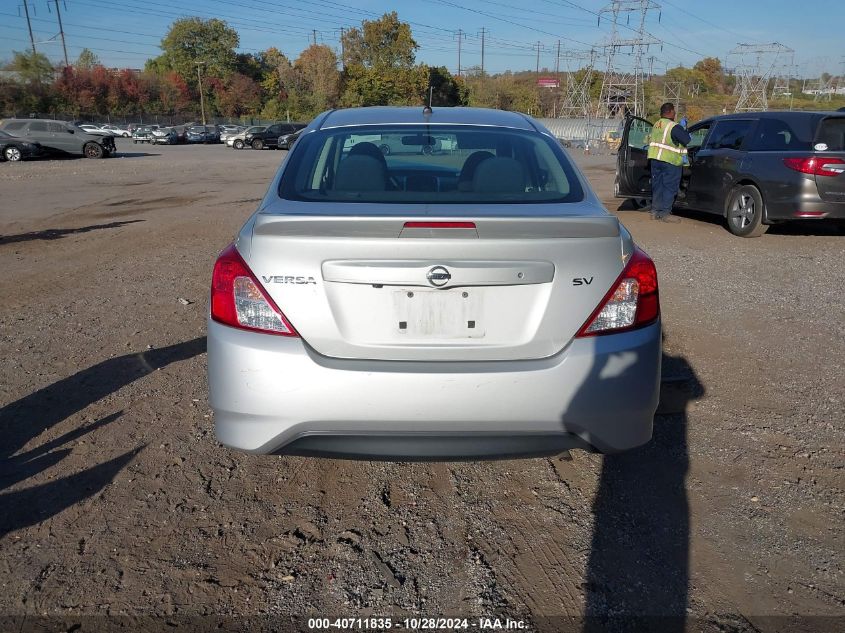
{"points": [[417, 624]]}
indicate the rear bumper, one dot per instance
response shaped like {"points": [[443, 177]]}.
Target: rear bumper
{"points": [[274, 394]]}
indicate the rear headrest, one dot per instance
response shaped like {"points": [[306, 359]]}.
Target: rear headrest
{"points": [[360, 173], [499, 175]]}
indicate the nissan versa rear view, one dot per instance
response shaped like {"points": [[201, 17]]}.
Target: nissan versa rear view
{"points": [[465, 295]]}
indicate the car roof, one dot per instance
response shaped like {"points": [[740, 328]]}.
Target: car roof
{"points": [[391, 115], [776, 114]]}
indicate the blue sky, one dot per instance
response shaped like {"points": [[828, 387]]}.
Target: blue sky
{"points": [[125, 33]]}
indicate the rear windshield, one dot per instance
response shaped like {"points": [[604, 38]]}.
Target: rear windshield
{"points": [[832, 134], [430, 165]]}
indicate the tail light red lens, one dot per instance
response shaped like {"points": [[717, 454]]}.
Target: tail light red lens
{"points": [[239, 300], [816, 165], [632, 302]]}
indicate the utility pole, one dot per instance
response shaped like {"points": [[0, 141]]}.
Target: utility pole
{"points": [[557, 60], [199, 81], [342, 51], [61, 30], [483, 30], [460, 35], [29, 25], [538, 57], [314, 35]]}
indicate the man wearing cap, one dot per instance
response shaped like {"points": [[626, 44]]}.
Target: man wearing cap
{"points": [[666, 152]]}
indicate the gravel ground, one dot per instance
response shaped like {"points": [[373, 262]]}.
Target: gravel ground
{"points": [[117, 500]]}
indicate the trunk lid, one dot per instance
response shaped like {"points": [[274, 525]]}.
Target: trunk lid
{"points": [[508, 288]]}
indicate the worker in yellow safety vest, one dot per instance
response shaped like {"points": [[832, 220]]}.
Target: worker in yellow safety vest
{"points": [[666, 152]]}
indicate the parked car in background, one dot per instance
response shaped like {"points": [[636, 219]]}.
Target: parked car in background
{"points": [[203, 134], [286, 141], [754, 169], [142, 134], [230, 131], [238, 140], [15, 148], [269, 137], [487, 307], [164, 136], [93, 129], [117, 130], [61, 137]]}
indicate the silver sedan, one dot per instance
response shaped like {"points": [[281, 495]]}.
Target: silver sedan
{"points": [[475, 302]]}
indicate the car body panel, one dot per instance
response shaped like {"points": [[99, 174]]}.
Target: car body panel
{"points": [[27, 148]]}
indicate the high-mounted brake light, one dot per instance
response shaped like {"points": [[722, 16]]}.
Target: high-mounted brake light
{"points": [[239, 300], [439, 225], [632, 302], [816, 165]]}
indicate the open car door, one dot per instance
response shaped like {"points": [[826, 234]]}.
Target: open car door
{"points": [[633, 176]]}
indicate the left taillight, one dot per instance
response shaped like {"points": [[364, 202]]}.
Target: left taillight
{"points": [[239, 300], [632, 302]]}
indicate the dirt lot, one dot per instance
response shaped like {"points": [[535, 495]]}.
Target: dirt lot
{"points": [[116, 499]]}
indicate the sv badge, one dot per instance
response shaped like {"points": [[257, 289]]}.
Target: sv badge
{"points": [[582, 281]]}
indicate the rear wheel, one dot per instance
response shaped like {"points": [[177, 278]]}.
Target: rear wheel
{"points": [[385, 149], [258, 144], [238, 144], [427, 150], [93, 150], [745, 212], [12, 154]]}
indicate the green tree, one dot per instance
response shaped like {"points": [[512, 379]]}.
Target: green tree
{"points": [[447, 90], [192, 40], [33, 68], [318, 78], [712, 74], [382, 43], [87, 60]]}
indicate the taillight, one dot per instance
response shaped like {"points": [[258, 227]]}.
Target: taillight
{"points": [[239, 300], [632, 301], [816, 165], [439, 225]]}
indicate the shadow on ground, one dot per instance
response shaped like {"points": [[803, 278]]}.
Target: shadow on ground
{"points": [[55, 234], [638, 567], [26, 419]]}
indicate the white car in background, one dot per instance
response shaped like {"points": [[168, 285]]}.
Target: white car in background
{"points": [[237, 140], [94, 129], [117, 130]]}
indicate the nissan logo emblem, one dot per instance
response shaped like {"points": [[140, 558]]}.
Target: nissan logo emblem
{"points": [[438, 276]]}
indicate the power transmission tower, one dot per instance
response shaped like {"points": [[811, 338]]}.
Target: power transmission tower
{"points": [[576, 96], [622, 87], [672, 91], [755, 66]]}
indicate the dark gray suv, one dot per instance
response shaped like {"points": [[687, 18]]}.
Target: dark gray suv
{"points": [[755, 169], [61, 137]]}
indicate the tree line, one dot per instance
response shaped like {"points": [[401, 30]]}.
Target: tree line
{"points": [[377, 66]]}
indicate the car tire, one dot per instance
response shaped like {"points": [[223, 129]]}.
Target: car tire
{"points": [[744, 212], [135, 141], [428, 150], [641, 203], [238, 144], [384, 149], [12, 154], [258, 144], [93, 150]]}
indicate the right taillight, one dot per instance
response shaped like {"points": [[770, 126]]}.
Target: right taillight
{"points": [[239, 300], [816, 165], [632, 301]]}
